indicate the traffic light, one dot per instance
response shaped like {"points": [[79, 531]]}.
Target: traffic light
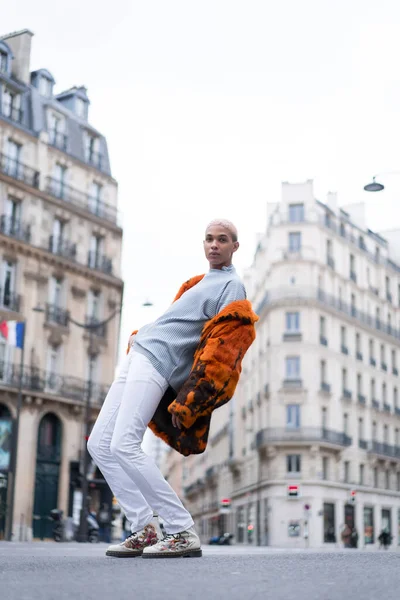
{"points": [[353, 496], [225, 502]]}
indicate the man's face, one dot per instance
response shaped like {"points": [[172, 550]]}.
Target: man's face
{"points": [[219, 246]]}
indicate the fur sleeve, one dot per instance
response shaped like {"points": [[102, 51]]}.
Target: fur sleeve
{"points": [[215, 372]]}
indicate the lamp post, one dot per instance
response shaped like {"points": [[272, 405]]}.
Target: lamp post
{"points": [[91, 327]]}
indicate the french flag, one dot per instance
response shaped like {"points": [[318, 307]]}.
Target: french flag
{"points": [[13, 332]]}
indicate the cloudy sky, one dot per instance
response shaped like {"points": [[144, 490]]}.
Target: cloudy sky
{"points": [[208, 105]]}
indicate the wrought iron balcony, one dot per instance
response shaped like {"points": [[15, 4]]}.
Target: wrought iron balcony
{"points": [[375, 404], [363, 444], [38, 380], [389, 297], [14, 228], [386, 407], [344, 349], [325, 387], [292, 336], [346, 394], [353, 276], [62, 247], [292, 384], [361, 399], [359, 356], [9, 300], [58, 139], [17, 170], [397, 410], [384, 449], [67, 193], [372, 362], [98, 330], [57, 315], [383, 366], [323, 341], [100, 262], [12, 112], [330, 261], [301, 435], [395, 371]]}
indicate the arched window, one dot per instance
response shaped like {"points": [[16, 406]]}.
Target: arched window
{"points": [[4, 412], [49, 438]]}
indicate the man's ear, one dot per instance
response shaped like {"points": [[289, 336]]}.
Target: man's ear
{"points": [[235, 246]]}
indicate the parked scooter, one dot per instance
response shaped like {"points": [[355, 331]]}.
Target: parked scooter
{"points": [[64, 530], [221, 540]]}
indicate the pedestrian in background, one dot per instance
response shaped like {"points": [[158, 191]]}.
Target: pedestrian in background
{"points": [[178, 370]]}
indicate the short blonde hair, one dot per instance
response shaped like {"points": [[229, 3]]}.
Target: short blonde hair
{"points": [[226, 225]]}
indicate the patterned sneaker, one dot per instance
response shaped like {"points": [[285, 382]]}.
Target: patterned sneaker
{"points": [[135, 543], [175, 545]]}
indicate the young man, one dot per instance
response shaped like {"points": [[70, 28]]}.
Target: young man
{"points": [[177, 371]]}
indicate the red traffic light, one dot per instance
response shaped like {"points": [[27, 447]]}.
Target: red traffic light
{"points": [[353, 493]]}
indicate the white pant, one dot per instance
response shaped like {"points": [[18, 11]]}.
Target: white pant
{"points": [[115, 446]]}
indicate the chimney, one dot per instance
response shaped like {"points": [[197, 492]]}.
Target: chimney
{"points": [[20, 44]]}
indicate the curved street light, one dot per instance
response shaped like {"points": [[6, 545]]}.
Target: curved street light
{"points": [[375, 186]]}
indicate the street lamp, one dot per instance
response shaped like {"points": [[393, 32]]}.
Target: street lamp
{"points": [[90, 327], [375, 186]]}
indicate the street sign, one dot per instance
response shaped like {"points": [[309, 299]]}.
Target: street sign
{"points": [[293, 491]]}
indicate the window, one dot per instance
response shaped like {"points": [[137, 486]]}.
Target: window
{"points": [[292, 321], [294, 241], [56, 292], [346, 471], [371, 349], [329, 252], [56, 127], [358, 343], [322, 327], [398, 485], [395, 397], [361, 474], [293, 416], [95, 198], [345, 423], [382, 354], [95, 251], [397, 437], [394, 361], [343, 336], [94, 301], [376, 477], [324, 417], [293, 463], [80, 108], [387, 479], [386, 434], [3, 61], [92, 148], [353, 305], [325, 468], [387, 287], [12, 158], [384, 392], [7, 289], [293, 367], [352, 265], [323, 371], [344, 379], [378, 317], [59, 180], [93, 366], [296, 213], [53, 367], [11, 105], [57, 237], [45, 87], [12, 218], [360, 428], [359, 384], [374, 431], [373, 389]]}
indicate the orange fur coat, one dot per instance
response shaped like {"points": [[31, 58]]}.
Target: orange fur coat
{"points": [[212, 380]]}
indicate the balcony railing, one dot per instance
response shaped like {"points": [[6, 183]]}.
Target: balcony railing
{"points": [[65, 192], [397, 410], [386, 407], [323, 341], [375, 404], [9, 300], [13, 113], [359, 355], [62, 247], [353, 276], [395, 371], [325, 387], [58, 139], [389, 297], [38, 380], [383, 366], [57, 315], [95, 159], [292, 384], [346, 394], [361, 399], [330, 262], [363, 444], [384, 449], [14, 168], [98, 330], [372, 362], [302, 434], [344, 349], [14, 228], [100, 262], [287, 294]]}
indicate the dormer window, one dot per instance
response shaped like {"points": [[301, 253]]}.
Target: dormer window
{"points": [[45, 87], [80, 108], [3, 61], [92, 149]]}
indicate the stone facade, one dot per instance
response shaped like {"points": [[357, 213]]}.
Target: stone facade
{"points": [[60, 251], [317, 411]]}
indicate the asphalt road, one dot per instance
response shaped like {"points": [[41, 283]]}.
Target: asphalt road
{"points": [[50, 571]]}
